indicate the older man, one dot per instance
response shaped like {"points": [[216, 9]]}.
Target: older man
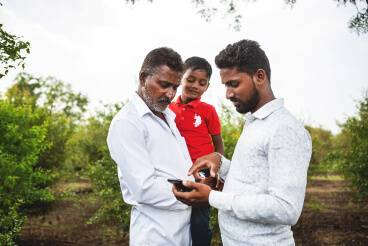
{"points": [[266, 179], [146, 145]]}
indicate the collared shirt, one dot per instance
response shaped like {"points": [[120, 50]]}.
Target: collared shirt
{"points": [[196, 121], [266, 179], [148, 152]]}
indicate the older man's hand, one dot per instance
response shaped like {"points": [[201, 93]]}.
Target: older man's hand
{"points": [[198, 197]]}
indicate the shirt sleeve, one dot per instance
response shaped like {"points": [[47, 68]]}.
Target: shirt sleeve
{"points": [[213, 121], [289, 154], [128, 149], [224, 169]]}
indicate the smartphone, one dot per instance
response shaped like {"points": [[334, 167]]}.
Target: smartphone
{"points": [[179, 184], [204, 173]]}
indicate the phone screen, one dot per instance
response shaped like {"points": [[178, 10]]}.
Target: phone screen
{"points": [[204, 173]]}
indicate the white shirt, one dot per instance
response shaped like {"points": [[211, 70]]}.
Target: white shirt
{"points": [[148, 152], [266, 179]]}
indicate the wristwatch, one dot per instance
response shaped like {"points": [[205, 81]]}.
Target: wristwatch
{"points": [[221, 158], [220, 164]]}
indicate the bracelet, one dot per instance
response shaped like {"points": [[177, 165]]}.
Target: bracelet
{"points": [[221, 157]]}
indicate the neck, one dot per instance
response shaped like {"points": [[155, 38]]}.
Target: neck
{"points": [[185, 99], [160, 115], [265, 98]]}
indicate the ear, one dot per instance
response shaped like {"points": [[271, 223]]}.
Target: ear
{"points": [[142, 78], [260, 77]]}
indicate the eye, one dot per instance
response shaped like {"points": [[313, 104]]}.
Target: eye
{"points": [[190, 80], [164, 84], [234, 84]]}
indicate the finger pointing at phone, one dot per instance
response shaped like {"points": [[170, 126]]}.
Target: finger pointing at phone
{"points": [[198, 197]]}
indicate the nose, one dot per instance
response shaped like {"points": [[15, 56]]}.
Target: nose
{"points": [[195, 85], [170, 93], [229, 93]]}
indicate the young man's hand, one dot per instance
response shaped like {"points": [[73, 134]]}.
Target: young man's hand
{"points": [[198, 197], [210, 161]]}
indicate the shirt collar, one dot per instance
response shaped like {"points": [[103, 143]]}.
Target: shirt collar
{"points": [[193, 103], [269, 108], [143, 109]]}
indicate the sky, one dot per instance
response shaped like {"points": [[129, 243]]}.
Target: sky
{"points": [[98, 47]]}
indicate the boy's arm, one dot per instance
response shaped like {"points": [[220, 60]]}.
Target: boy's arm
{"points": [[218, 143]]}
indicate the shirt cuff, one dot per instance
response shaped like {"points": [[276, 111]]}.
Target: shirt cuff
{"points": [[221, 201], [224, 169]]}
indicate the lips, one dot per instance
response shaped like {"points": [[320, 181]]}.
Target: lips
{"points": [[165, 101], [193, 92]]}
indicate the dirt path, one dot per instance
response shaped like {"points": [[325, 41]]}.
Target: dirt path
{"points": [[330, 217]]}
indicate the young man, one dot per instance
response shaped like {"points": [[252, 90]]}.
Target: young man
{"points": [[266, 179], [199, 124], [146, 145]]}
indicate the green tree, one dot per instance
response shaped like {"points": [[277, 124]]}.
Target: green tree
{"points": [[57, 104], [322, 143], [351, 154], [11, 49], [23, 139], [88, 149]]}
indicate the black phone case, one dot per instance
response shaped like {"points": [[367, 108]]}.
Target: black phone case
{"points": [[179, 184]]}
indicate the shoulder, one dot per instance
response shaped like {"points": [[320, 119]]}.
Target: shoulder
{"points": [[283, 117], [287, 125], [206, 108], [126, 118]]}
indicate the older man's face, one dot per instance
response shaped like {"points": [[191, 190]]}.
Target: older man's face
{"points": [[160, 88]]}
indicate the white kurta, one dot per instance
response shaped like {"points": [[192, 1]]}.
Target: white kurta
{"points": [[266, 180], [148, 152]]}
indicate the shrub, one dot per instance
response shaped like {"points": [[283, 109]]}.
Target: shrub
{"points": [[89, 142], [322, 143], [22, 141], [232, 125], [351, 154]]}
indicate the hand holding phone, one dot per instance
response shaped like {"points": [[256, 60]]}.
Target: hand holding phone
{"points": [[179, 184]]}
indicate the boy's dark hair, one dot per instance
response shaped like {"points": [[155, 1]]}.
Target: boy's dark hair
{"points": [[247, 55], [162, 56], [199, 63]]}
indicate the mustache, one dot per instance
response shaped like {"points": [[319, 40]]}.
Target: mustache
{"points": [[233, 99], [164, 100]]}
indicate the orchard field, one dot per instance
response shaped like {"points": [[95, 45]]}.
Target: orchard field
{"points": [[330, 217], [59, 185]]}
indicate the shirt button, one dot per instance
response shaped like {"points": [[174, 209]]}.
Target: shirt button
{"points": [[182, 118], [183, 109]]}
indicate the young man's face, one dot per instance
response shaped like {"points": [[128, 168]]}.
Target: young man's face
{"points": [[159, 89], [240, 89], [194, 83]]}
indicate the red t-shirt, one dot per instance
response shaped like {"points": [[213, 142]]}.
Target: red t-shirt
{"points": [[196, 121]]}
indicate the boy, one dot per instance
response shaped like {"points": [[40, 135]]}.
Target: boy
{"points": [[199, 124]]}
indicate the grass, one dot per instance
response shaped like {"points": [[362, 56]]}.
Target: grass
{"points": [[314, 205], [334, 177]]}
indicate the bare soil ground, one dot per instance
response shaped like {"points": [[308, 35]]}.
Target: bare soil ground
{"points": [[330, 217]]}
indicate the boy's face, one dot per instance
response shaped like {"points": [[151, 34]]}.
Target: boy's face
{"points": [[194, 84]]}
